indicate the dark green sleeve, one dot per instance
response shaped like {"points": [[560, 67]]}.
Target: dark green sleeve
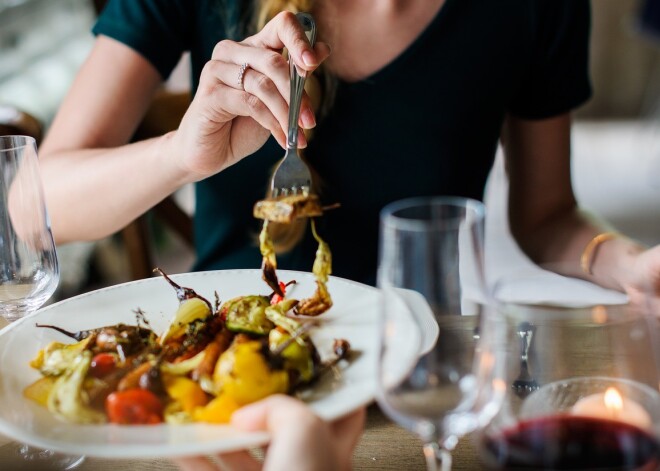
{"points": [[159, 30], [557, 78]]}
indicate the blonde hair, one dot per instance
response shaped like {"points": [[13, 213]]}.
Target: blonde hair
{"points": [[320, 88]]}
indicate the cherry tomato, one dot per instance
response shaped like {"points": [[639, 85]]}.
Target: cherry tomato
{"points": [[276, 297], [134, 406], [102, 364]]}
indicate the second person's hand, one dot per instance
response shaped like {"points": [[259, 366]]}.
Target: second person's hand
{"points": [[299, 439]]}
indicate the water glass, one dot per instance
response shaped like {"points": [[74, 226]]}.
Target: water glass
{"points": [[436, 376]]}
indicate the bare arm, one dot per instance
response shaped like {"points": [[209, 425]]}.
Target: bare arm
{"points": [[94, 183], [544, 216]]}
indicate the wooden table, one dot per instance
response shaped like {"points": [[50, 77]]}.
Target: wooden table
{"points": [[384, 446]]}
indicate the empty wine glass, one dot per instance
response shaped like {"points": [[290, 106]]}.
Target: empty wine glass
{"points": [[29, 271], [435, 378], [595, 364]]}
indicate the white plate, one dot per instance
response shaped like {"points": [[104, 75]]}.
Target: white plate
{"points": [[354, 317]]}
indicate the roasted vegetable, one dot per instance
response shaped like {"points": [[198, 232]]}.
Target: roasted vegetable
{"points": [[269, 261], [121, 338], [57, 357], [287, 208], [68, 400], [186, 392], [244, 373], [246, 314], [103, 364], [204, 366], [320, 300], [297, 357], [277, 315], [190, 310], [212, 352], [134, 407], [40, 390], [218, 411]]}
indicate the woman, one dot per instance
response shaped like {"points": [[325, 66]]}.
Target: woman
{"points": [[412, 101]]}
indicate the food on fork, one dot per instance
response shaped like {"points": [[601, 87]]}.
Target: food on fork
{"points": [[287, 208], [210, 360], [284, 210]]}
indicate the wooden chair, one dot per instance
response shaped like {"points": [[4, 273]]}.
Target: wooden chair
{"points": [[14, 121]]}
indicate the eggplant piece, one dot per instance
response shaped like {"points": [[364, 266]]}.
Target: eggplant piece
{"points": [[190, 310], [193, 324], [182, 293], [130, 338]]}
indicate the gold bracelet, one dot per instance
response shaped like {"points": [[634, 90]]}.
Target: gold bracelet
{"points": [[589, 252]]}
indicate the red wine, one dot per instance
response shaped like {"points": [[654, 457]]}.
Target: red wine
{"points": [[571, 442]]}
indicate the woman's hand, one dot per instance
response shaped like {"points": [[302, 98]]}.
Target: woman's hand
{"points": [[643, 284], [231, 118], [299, 439]]}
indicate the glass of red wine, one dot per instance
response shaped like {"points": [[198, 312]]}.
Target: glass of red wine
{"points": [[582, 375]]}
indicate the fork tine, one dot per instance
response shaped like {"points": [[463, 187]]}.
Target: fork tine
{"points": [[292, 176]]}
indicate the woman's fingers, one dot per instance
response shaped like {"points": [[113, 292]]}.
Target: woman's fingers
{"points": [[267, 71], [266, 61], [284, 31], [253, 83], [347, 431], [229, 102]]}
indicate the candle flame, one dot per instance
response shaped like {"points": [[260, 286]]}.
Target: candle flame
{"points": [[613, 400]]}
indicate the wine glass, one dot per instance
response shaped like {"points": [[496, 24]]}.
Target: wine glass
{"points": [[436, 375], [29, 271], [591, 363]]}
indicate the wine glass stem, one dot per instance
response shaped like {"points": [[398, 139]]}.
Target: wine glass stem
{"points": [[437, 457]]}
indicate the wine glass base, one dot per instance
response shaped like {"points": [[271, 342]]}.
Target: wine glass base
{"points": [[32, 458], [13, 310]]}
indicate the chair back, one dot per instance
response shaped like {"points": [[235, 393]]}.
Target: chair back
{"points": [[14, 121]]}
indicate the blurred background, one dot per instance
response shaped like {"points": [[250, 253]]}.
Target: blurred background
{"points": [[616, 150]]}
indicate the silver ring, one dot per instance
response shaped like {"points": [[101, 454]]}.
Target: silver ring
{"points": [[241, 74]]}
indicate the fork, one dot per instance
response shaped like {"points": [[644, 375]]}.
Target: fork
{"points": [[525, 384], [292, 175]]}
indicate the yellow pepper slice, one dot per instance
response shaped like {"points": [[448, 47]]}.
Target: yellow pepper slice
{"points": [[185, 391], [243, 374], [218, 411], [39, 390]]}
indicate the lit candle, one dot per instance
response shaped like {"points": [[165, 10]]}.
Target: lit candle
{"points": [[614, 407]]}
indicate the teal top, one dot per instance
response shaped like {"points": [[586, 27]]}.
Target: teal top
{"points": [[427, 123]]}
